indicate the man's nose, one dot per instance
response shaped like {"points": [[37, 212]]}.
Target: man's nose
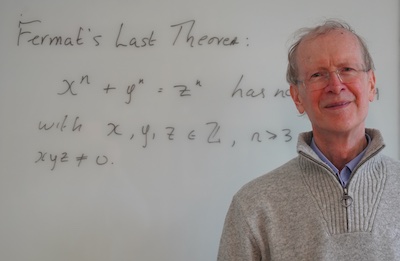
{"points": [[335, 82]]}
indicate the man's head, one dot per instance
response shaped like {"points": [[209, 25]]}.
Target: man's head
{"points": [[331, 77]]}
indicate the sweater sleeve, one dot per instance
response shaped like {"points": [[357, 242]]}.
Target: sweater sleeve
{"points": [[237, 241]]}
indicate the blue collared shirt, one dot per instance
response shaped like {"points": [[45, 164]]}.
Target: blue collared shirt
{"points": [[345, 173]]}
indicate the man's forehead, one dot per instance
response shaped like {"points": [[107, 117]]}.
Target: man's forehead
{"points": [[331, 35], [339, 42]]}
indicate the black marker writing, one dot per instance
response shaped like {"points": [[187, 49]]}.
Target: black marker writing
{"points": [[134, 41], [192, 40], [61, 125]]}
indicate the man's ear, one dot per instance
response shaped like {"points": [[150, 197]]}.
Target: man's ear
{"points": [[294, 93], [372, 89]]}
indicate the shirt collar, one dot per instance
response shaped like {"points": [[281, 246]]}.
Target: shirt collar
{"points": [[350, 165]]}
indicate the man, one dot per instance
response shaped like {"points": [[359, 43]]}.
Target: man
{"points": [[339, 199]]}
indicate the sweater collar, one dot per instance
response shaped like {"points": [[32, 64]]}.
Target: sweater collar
{"points": [[376, 144]]}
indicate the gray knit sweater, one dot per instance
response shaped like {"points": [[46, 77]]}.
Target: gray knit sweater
{"points": [[300, 211]]}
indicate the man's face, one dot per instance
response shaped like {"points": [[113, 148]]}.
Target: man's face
{"points": [[338, 107]]}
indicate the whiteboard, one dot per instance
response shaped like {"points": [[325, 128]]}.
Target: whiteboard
{"points": [[127, 126]]}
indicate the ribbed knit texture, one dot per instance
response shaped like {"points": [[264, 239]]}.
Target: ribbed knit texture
{"points": [[366, 190], [327, 195]]}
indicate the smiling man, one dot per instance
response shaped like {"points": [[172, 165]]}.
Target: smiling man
{"points": [[339, 199]]}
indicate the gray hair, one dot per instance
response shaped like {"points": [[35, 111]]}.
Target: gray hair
{"points": [[327, 26]]}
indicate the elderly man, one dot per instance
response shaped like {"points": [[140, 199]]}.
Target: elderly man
{"points": [[339, 199]]}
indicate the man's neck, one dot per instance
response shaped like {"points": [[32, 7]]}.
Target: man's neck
{"points": [[340, 149]]}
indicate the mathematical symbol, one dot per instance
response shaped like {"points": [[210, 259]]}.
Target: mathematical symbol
{"points": [[109, 88], [273, 135], [80, 158], [114, 130], [68, 89], [184, 90], [198, 83]]}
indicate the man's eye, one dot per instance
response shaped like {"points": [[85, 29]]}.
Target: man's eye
{"points": [[347, 69], [316, 75]]}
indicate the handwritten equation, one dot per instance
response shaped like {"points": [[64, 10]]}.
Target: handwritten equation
{"points": [[169, 132], [146, 136], [55, 159], [72, 87]]}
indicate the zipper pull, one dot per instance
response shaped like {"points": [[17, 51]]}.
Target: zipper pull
{"points": [[346, 199]]}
